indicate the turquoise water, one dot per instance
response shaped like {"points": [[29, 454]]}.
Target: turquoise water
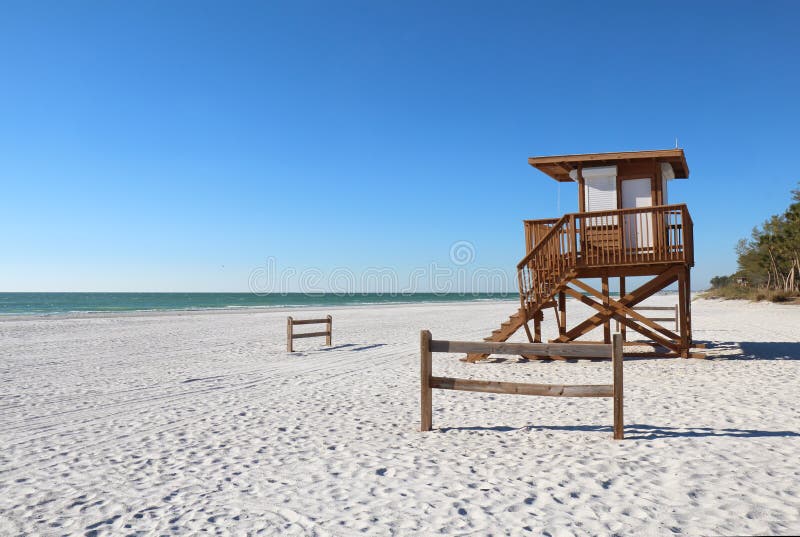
{"points": [[53, 303]]}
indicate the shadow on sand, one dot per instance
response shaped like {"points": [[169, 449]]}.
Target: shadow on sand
{"points": [[640, 432], [754, 350], [356, 349], [368, 347], [337, 347], [720, 350]]}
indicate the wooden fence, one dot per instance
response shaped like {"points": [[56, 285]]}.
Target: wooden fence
{"points": [[291, 336], [428, 382]]}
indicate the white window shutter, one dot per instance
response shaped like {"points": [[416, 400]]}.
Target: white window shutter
{"points": [[601, 193]]}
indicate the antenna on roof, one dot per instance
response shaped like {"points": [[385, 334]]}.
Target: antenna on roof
{"points": [[676, 142]]}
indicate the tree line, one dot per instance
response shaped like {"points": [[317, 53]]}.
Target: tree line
{"points": [[770, 258]]}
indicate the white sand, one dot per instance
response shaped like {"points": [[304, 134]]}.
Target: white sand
{"points": [[150, 424]]}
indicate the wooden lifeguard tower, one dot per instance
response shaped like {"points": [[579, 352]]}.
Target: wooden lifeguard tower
{"points": [[625, 227]]}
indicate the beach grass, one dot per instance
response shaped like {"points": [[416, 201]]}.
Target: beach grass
{"points": [[754, 294]]}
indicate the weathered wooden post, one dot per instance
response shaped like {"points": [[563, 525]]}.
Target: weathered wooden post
{"points": [[289, 334], [426, 393], [329, 337], [683, 308], [616, 361], [538, 317]]}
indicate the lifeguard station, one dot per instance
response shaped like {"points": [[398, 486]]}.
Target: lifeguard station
{"points": [[625, 227]]}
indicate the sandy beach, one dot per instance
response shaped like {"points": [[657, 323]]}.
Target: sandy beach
{"points": [[178, 423]]}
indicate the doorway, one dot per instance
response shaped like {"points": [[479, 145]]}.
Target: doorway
{"points": [[638, 227]]}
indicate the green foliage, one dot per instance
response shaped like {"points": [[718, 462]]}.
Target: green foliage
{"points": [[769, 261], [720, 281], [771, 257]]}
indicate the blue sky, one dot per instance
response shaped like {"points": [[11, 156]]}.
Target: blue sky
{"points": [[175, 146]]}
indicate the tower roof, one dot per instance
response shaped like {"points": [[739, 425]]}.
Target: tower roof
{"points": [[559, 166]]}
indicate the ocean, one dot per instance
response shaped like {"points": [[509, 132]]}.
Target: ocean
{"points": [[58, 303]]}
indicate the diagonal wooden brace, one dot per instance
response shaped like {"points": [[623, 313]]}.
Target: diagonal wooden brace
{"points": [[621, 308], [630, 323], [631, 299]]}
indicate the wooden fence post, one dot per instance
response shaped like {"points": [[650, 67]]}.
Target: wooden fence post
{"points": [[425, 368], [289, 334], [329, 337], [616, 361]]}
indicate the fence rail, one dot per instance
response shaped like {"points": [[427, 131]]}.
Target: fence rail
{"points": [[428, 382]]}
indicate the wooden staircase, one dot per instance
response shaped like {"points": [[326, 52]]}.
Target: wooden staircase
{"points": [[507, 328], [541, 275]]}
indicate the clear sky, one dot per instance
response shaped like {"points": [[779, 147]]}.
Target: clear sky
{"points": [[176, 146]]}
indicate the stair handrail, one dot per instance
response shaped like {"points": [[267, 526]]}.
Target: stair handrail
{"points": [[558, 223], [532, 284]]}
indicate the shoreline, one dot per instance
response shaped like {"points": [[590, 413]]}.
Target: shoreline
{"points": [[236, 309]]}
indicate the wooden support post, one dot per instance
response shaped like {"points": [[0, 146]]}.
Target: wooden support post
{"points": [[562, 308], [689, 305], [616, 361], [289, 334], [677, 319], [607, 324], [623, 329], [657, 221], [537, 326], [426, 392], [329, 337], [682, 308]]}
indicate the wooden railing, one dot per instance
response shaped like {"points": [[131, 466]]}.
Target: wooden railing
{"points": [[535, 230], [621, 237], [548, 263], [688, 234]]}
